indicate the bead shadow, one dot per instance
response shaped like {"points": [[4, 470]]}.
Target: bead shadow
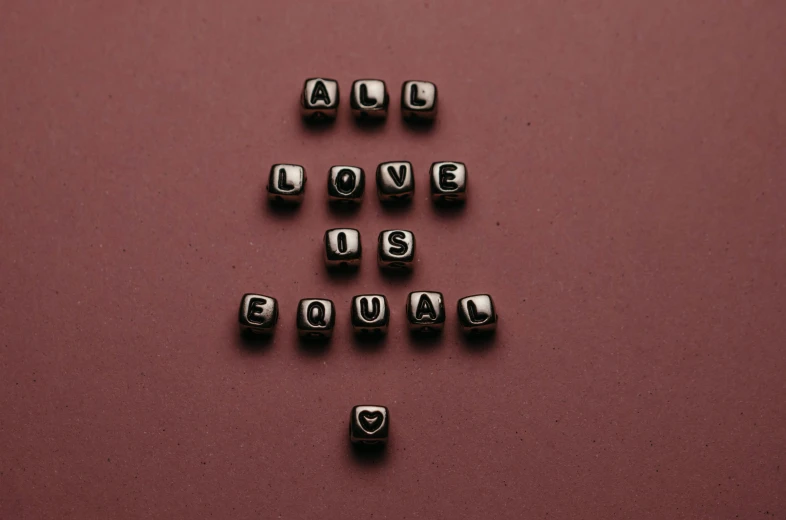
{"points": [[312, 347], [431, 340], [396, 277], [343, 208], [255, 344], [368, 455], [448, 210], [318, 125], [479, 342], [420, 126], [275, 209], [342, 273], [369, 343], [393, 207], [368, 125]]}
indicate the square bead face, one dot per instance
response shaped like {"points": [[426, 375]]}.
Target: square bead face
{"points": [[287, 183], [258, 314], [370, 314], [477, 314], [425, 311], [448, 181], [396, 249], [369, 98], [315, 318], [395, 181], [418, 100], [369, 425], [342, 247], [346, 184], [319, 99]]}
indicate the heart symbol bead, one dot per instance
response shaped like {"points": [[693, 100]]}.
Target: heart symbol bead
{"points": [[370, 421]]}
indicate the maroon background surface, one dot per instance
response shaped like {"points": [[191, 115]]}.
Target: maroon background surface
{"points": [[626, 212]]}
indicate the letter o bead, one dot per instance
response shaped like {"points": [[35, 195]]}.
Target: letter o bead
{"points": [[370, 314], [425, 311], [346, 184], [448, 182], [315, 318], [258, 314], [477, 314], [320, 99]]}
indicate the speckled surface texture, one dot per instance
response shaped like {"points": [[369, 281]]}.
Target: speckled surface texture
{"points": [[626, 164]]}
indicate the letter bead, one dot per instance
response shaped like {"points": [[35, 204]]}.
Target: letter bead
{"points": [[396, 249], [369, 425], [448, 182], [425, 311], [315, 318], [320, 98], [287, 183], [370, 314], [258, 314], [418, 100], [369, 99], [346, 184], [477, 314], [342, 247], [395, 181]]}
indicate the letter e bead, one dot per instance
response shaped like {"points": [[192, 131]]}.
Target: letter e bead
{"points": [[258, 314], [448, 182]]}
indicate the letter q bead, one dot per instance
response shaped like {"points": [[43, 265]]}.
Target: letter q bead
{"points": [[315, 318]]}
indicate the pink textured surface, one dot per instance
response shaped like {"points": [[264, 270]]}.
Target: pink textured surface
{"points": [[625, 211]]}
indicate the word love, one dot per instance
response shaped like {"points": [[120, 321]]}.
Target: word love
{"points": [[346, 184], [368, 99], [369, 313]]}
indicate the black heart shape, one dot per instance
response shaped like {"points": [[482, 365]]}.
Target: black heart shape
{"points": [[371, 422]]}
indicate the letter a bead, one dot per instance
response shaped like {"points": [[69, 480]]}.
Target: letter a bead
{"points": [[319, 99], [425, 311]]}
